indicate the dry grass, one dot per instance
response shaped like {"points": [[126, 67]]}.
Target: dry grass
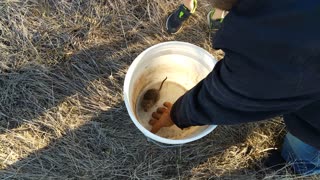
{"points": [[62, 66]]}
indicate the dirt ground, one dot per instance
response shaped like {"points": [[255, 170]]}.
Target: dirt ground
{"points": [[62, 115]]}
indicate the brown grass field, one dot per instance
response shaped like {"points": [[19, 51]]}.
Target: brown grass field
{"points": [[62, 115]]}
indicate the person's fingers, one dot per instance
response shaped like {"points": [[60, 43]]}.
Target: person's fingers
{"points": [[167, 104], [161, 110], [156, 115], [155, 128], [152, 121]]}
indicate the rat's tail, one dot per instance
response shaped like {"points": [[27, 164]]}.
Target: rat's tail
{"points": [[162, 83]]}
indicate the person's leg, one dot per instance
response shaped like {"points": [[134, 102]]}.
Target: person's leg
{"points": [[301, 145], [304, 158], [176, 19], [191, 5], [219, 14]]}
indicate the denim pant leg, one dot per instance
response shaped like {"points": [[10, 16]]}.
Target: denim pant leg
{"points": [[304, 158]]}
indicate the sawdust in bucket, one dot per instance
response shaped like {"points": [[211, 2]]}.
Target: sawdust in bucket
{"points": [[170, 92]]}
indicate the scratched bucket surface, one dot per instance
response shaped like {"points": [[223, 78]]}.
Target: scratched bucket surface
{"points": [[185, 65]]}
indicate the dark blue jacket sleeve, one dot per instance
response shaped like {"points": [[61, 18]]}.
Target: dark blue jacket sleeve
{"points": [[224, 98], [213, 101]]}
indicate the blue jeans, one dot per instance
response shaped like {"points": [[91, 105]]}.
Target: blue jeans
{"points": [[304, 158]]}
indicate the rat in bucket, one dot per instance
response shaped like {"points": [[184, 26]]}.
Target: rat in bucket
{"points": [[151, 97]]}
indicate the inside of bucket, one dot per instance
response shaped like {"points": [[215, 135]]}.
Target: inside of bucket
{"points": [[182, 74]]}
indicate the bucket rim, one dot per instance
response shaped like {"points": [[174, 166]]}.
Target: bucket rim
{"points": [[126, 86]]}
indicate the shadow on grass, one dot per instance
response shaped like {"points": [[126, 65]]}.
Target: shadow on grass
{"points": [[31, 91], [110, 146]]}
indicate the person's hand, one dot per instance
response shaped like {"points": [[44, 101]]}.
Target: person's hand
{"points": [[161, 118]]}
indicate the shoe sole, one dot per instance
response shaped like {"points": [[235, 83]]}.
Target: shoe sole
{"points": [[209, 20]]}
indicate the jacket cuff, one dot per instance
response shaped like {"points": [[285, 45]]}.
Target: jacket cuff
{"points": [[176, 117]]}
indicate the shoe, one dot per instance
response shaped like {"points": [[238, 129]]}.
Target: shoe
{"points": [[215, 19], [176, 18]]}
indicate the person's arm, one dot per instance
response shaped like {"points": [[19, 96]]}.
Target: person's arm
{"points": [[212, 101], [234, 92], [218, 100], [209, 102]]}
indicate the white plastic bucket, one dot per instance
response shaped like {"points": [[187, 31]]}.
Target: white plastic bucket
{"points": [[185, 65]]}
